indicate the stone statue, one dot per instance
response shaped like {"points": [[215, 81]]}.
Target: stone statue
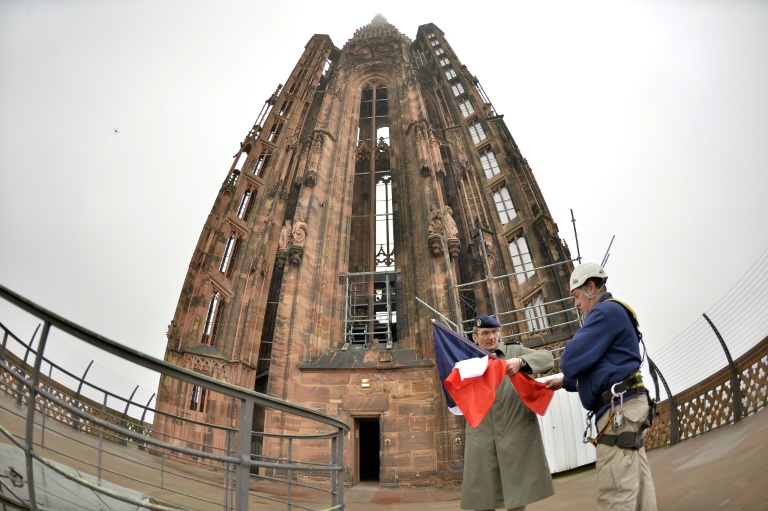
{"points": [[299, 232], [285, 236], [451, 230], [435, 225]]}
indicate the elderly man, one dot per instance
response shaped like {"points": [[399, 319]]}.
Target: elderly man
{"points": [[505, 466], [601, 362]]}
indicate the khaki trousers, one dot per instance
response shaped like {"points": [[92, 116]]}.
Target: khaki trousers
{"points": [[624, 480]]}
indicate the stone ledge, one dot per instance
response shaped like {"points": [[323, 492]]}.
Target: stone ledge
{"points": [[365, 359]]}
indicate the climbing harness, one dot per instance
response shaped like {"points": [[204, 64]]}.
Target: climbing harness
{"points": [[615, 396]]}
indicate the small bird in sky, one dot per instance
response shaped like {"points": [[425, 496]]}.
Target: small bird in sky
{"points": [[116, 132]]}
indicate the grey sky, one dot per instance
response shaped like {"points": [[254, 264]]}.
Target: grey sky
{"points": [[648, 119]]}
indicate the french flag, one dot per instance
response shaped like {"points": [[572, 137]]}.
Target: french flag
{"points": [[470, 376]]}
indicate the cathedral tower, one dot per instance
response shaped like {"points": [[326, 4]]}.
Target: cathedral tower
{"points": [[377, 190]]}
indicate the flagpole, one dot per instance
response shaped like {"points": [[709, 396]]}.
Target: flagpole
{"points": [[425, 304]]}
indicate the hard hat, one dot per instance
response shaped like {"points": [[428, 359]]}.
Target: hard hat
{"points": [[585, 272]]}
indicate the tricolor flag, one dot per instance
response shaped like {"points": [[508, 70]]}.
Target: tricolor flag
{"points": [[470, 376]]}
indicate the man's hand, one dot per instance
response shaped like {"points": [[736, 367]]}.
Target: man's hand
{"points": [[514, 365], [555, 383]]}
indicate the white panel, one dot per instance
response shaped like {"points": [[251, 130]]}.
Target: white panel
{"points": [[562, 430]]}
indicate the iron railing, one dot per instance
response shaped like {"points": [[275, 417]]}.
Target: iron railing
{"points": [[85, 434]]}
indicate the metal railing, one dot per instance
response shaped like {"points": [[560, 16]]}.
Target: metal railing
{"points": [[84, 433]]}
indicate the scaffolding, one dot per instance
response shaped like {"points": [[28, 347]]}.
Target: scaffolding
{"points": [[370, 315]]}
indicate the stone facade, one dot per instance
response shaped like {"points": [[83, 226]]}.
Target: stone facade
{"points": [[377, 190]]}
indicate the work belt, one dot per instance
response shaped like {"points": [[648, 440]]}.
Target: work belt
{"points": [[626, 440], [631, 382]]}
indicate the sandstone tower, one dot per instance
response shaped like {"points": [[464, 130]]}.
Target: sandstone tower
{"points": [[377, 190]]}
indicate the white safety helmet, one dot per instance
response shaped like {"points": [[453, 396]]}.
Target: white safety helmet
{"points": [[585, 272]]}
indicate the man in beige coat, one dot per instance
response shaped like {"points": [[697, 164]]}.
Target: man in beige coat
{"points": [[505, 466]]}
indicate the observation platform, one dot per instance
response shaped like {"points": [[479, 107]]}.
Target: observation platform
{"points": [[725, 469]]}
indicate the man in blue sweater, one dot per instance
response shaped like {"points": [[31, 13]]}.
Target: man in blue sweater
{"points": [[602, 364]]}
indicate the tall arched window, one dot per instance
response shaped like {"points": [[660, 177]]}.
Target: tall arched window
{"points": [[371, 305], [245, 202], [230, 255], [212, 318]]}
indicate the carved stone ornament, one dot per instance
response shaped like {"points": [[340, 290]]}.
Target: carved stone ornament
{"points": [[227, 189], [281, 257], [433, 241], [173, 330], [295, 255], [310, 177], [454, 245], [317, 143], [424, 168]]}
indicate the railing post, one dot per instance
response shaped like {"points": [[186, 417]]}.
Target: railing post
{"points": [[674, 420], [124, 419], [244, 453], [142, 429], [290, 473], [76, 422], [337, 476], [735, 380], [31, 402]]}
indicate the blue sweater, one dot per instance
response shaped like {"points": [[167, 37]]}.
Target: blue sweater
{"points": [[604, 351]]}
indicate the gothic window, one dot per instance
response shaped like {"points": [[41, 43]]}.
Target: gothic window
{"points": [[488, 160], [444, 61], [274, 132], [504, 204], [197, 398], [370, 305], [261, 162], [477, 132], [215, 311], [521, 258], [466, 108], [230, 255], [431, 35], [439, 51], [458, 88], [245, 204], [285, 107], [233, 257], [227, 252], [294, 86], [434, 42], [536, 314], [450, 73]]}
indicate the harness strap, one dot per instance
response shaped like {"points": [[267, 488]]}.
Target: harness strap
{"points": [[651, 365], [633, 381], [626, 440], [600, 434]]}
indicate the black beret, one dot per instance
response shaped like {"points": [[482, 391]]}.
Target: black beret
{"points": [[483, 321]]}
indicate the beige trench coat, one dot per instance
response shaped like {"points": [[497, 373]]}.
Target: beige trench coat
{"points": [[504, 461]]}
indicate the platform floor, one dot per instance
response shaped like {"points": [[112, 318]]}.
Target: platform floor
{"points": [[724, 470]]}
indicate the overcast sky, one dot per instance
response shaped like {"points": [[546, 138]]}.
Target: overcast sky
{"points": [[648, 119]]}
